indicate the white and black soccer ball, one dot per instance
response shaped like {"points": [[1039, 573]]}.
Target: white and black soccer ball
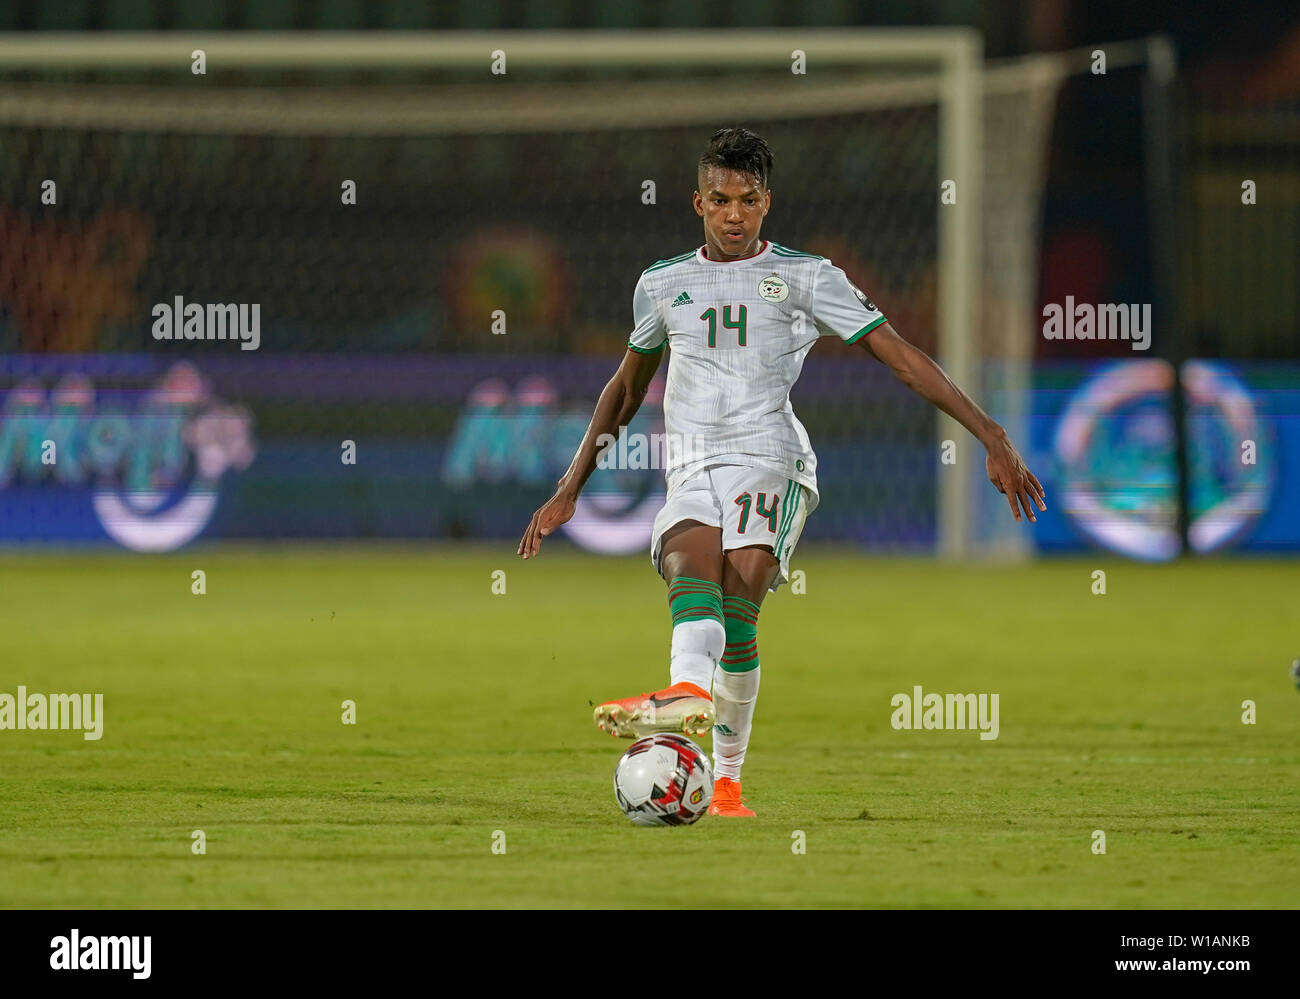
{"points": [[664, 780]]}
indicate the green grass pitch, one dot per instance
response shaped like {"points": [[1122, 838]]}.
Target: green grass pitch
{"points": [[1120, 713]]}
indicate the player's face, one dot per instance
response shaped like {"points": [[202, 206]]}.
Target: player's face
{"points": [[732, 205]]}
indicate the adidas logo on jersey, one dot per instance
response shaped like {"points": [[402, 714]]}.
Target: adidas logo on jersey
{"points": [[682, 299]]}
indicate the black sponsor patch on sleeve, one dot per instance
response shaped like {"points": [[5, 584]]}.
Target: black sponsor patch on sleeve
{"points": [[863, 298]]}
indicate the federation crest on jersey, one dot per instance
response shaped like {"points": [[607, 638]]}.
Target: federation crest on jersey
{"points": [[773, 289], [871, 306]]}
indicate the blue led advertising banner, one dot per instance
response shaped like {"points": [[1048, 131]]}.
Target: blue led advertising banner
{"points": [[150, 453]]}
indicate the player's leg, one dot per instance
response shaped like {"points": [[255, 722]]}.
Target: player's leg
{"points": [[759, 535], [690, 558], [686, 549], [747, 575], [692, 567]]}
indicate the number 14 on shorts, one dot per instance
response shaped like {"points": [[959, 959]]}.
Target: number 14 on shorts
{"points": [[746, 501]]}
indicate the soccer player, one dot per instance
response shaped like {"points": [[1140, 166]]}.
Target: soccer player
{"points": [[741, 314]]}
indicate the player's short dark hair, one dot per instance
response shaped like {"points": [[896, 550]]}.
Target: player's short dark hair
{"points": [[741, 150]]}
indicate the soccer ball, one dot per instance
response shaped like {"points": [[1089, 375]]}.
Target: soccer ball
{"points": [[663, 780]]}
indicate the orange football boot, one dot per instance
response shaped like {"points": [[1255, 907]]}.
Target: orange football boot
{"points": [[683, 708], [726, 799]]}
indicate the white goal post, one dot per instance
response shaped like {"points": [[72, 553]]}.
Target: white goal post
{"points": [[945, 67]]}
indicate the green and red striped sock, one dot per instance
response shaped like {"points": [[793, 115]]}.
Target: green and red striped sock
{"points": [[694, 600], [740, 618], [698, 632], [735, 687]]}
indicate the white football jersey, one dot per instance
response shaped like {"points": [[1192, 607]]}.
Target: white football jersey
{"points": [[739, 332]]}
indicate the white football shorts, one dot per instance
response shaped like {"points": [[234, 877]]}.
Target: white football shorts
{"points": [[752, 506]]}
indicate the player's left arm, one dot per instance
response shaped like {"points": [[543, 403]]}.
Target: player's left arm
{"points": [[915, 369]]}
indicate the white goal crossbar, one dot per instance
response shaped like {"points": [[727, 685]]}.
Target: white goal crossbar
{"points": [[954, 55]]}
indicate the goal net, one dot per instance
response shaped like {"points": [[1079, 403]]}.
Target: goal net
{"points": [[443, 254]]}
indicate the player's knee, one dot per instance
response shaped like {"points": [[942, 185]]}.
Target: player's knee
{"points": [[691, 550], [691, 565], [749, 572]]}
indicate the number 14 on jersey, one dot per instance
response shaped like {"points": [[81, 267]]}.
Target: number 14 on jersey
{"points": [[738, 324]]}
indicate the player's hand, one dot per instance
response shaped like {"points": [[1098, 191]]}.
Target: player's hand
{"points": [[1008, 473], [556, 511]]}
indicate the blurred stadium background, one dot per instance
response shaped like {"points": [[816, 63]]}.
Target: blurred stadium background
{"points": [[524, 193], [128, 181]]}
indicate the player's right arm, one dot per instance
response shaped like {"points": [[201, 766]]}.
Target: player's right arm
{"points": [[618, 403]]}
